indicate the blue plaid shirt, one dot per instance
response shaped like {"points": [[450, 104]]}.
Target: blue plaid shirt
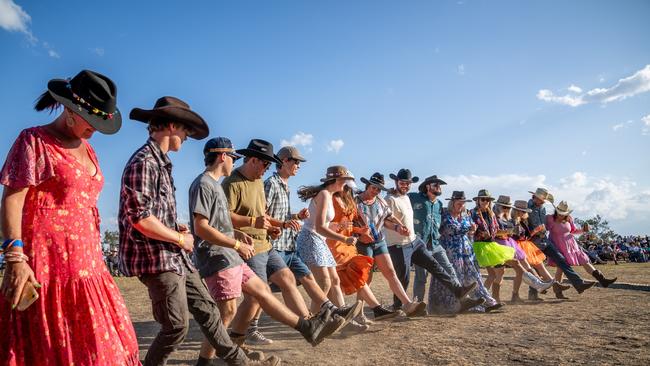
{"points": [[278, 207]]}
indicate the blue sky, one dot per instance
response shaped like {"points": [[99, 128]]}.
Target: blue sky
{"points": [[504, 95]]}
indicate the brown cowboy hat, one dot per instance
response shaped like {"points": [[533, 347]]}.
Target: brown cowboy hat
{"points": [[337, 171], [483, 193], [91, 95], [404, 174], [174, 110]]}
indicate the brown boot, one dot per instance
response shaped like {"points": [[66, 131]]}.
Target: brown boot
{"points": [[253, 355], [605, 282], [558, 292]]}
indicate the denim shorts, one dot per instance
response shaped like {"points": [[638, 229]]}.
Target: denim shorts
{"points": [[266, 264], [295, 264], [371, 250]]}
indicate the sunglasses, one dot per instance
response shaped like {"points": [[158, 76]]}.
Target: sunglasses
{"points": [[484, 199], [233, 156], [265, 163]]}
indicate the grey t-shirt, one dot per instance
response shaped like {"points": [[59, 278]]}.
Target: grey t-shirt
{"points": [[208, 199]]}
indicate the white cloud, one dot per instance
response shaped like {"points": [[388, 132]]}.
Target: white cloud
{"points": [[575, 89], [627, 87], [618, 126], [645, 131], [53, 54], [613, 198], [13, 18], [584, 152], [335, 145], [461, 69], [99, 51], [299, 139]]}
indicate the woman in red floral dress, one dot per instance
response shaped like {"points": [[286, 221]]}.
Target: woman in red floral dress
{"points": [[52, 181]]}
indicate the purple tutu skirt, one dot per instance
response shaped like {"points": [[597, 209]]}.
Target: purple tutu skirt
{"points": [[519, 253]]}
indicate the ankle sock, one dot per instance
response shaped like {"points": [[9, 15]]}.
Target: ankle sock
{"points": [[328, 305]]}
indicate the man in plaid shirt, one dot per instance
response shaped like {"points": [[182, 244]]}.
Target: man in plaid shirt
{"points": [[154, 247], [276, 189]]}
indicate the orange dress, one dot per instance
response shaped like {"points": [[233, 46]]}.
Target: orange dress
{"points": [[353, 268]]}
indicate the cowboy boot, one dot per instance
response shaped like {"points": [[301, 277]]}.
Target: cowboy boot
{"points": [[534, 282], [605, 282], [558, 292]]}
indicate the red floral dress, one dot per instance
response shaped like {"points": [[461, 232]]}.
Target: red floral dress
{"points": [[80, 317]]}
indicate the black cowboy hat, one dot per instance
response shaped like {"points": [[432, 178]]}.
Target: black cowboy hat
{"points": [[404, 174], [377, 179], [458, 195], [91, 95], [260, 149], [429, 180], [174, 110]]}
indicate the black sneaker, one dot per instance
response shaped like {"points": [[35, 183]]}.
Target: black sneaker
{"points": [[381, 313], [348, 312], [466, 304], [321, 326]]}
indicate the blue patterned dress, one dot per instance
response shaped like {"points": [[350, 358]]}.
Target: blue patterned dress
{"points": [[453, 237]]}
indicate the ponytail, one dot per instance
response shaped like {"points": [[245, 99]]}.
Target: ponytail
{"points": [[46, 101]]}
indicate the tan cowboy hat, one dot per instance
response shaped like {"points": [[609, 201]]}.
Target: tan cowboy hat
{"points": [[521, 205], [504, 201], [541, 193], [483, 193], [562, 208], [337, 171]]}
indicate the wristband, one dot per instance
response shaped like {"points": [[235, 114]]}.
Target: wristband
{"points": [[252, 221], [181, 238], [15, 257], [16, 243], [237, 245]]}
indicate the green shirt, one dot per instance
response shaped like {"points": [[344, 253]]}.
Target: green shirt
{"points": [[246, 198]]}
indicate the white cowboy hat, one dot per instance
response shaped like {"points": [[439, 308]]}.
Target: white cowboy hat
{"points": [[562, 208]]}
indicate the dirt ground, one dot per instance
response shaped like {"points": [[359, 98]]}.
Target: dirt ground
{"points": [[601, 326]]}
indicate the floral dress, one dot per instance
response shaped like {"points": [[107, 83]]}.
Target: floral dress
{"points": [[453, 237], [80, 317]]}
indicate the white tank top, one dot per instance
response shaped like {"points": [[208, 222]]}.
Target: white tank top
{"points": [[309, 222]]}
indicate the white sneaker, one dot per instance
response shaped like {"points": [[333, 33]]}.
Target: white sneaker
{"points": [[256, 338], [354, 327]]}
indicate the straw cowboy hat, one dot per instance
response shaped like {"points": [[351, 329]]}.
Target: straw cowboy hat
{"points": [[458, 196], [174, 110], [521, 205], [541, 193], [404, 174], [377, 179], [91, 95], [504, 201], [562, 208], [337, 171], [483, 193]]}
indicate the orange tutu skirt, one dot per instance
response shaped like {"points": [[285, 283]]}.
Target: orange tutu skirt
{"points": [[533, 254]]}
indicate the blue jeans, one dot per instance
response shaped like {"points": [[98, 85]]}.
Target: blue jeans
{"points": [[547, 247], [416, 253], [421, 274]]}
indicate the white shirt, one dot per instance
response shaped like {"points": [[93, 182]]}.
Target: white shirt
{"points": [[403, 211]]}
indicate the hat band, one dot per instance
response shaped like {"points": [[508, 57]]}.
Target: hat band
{"points": [[221, 149], [88, 106]]}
